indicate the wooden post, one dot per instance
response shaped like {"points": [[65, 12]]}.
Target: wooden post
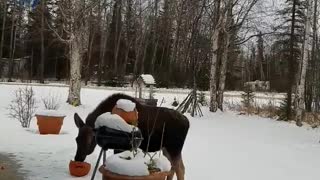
{"points": [[140, 91], [136, 91], [150, 92]]}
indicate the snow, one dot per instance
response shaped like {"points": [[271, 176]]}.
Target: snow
{"points": [[231, 97], [113, 121], [49, 112], [126, 105], [221, 145], [162, 163], [137, 165], [148, 79]]}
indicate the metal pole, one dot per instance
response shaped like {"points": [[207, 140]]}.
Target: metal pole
{"points": [[96, 167]]}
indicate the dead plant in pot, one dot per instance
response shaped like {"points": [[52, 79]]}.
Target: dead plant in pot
{"points": [[50, 119]]}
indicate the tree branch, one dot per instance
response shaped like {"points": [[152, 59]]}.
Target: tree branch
{"points": [[56, 33], [252, 36]]}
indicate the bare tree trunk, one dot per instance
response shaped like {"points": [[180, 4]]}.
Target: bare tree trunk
{"points": [[104, 39], [214, 59], [223, 70], [136, 62], [213, 71], [176, 40], [124, 65], [154, 56], [116, 52], [78, 45], [89, 56], [291, 62], [138, 43], [31, 66], [130, 34], [317, 78], [75, 74], [91, 39], [12, 39], [300, 91], [313, 57], [261, 57], [5, 9], [42, 42], [118, 34], [143, 58], [155, 38]]}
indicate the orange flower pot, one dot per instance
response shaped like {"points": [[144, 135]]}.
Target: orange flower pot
{"points": [[130, 117], [107, 175], [49, 124], [79, 169]]}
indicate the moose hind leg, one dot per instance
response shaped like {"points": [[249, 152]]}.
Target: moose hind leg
{"points": [[177, 166], [166, 154], [180, 169]]}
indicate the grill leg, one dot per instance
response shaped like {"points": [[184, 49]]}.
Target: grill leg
{"points": [[96, 167], [104, 158]]}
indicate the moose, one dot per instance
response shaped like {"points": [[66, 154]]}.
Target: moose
{"points": [[160, 127]]}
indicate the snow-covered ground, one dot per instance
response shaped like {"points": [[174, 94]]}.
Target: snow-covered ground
{"points": [[232, 97], [221, 145]]}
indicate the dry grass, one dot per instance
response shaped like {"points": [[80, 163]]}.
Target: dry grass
{"points": [[271, 110]]}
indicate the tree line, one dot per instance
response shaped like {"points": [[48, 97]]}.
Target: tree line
{"points": [[205, 44]]}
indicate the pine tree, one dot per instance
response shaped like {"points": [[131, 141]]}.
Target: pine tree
{"points": [[282, 110], [291, 38], [247, 99]]}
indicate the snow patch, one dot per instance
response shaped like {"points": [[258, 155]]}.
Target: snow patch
{"points": [[126, 164], [126, 105], [163, 163], [50, 112], [113, 121], [148, 79]]}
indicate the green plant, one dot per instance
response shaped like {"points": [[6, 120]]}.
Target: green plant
{"points": [[282, 110]]}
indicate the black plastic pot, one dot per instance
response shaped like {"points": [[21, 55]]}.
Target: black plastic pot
{"points": [[108, 138]]}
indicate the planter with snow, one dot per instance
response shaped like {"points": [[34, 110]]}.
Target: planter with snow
{"points": [[126, 109], [135, 166], [49, 121]]}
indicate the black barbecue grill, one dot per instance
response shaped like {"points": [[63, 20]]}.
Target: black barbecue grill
{"points": [[108, 138]]}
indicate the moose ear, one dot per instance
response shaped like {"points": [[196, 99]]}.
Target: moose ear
{"points": [[78, 121]]}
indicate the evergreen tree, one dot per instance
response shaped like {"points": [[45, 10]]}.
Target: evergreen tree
{"points": [[291, 38], [247, 99]]}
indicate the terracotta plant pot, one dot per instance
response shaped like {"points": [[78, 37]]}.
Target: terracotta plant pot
{"points": [[107, 175], [49, 124], [77, 168], [130, 117]]}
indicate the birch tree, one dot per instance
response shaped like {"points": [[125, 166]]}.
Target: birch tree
{"points": [[226, 31], [223, 26], [219, 20], [301, 80]]}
